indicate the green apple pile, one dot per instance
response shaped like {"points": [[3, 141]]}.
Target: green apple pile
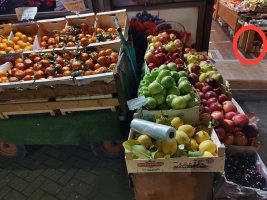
{"points": [[165, 88]]}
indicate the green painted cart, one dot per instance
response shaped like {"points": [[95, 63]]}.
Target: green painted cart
{"points": [[89, 109]]}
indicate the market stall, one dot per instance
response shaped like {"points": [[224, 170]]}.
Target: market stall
{"points": [[65, 73], [188, 129]]}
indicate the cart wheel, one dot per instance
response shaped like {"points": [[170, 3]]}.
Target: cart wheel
{"points": [[108, 149], [12, 151]]}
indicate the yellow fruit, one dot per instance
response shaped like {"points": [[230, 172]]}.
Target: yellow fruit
{"points": [[28, 48], [201, 136], [181, 137], [18, 34], [157, 144], [24, 38], [192, 146], [202, 128], [188, 129], [23, 45], [159, 154], [209, 146], [145, 140], [177, 122], [30, 39], [8, 49], [10, 43], [2, 52], [16, 47], [169, 148], [4, 40], [207, 154], [3, 46], [15, 39]]}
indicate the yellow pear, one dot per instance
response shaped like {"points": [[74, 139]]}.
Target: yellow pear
{"points": [[192, 146]]}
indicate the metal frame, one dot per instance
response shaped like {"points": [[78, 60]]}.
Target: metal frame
{"points": [[205, 9], [44, 15]]}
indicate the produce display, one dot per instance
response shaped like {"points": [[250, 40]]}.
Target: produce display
{"points": [[189, 141], [20, 42], [82, 35], [241, 168], [36, 66], [162, 49]]}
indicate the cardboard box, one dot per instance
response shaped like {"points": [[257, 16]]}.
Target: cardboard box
{"points": [[179, 164], [105, 19], [256, 142], [46, 27], [189, 114]]}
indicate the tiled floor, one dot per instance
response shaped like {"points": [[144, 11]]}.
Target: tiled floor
{"points": [[63, 172]]}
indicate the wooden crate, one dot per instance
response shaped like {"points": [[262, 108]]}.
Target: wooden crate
{"points": [[47, 95], [169, 186], [228, 15]]}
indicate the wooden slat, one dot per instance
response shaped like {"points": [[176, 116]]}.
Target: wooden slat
{"points": [[7, 114], [229, 16], [64, 111], [60, 91], [59, 105]]}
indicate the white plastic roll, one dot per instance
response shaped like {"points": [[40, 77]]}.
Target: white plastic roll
{"points": [[154, 130]]}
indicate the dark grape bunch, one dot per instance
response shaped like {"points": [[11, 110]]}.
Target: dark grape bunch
{"points": [[145, 16], [241, 169]]}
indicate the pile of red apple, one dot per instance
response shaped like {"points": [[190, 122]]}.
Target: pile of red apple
{"points": [[163, 49], [231, 126]]}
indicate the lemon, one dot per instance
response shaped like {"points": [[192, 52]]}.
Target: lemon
{"points": [[192, 146], [202, 128], [157, 144], [201, 136], [181, 137], [145, 140], [209, 146], [188, 129], [207, 154], [159, 154], [169, 147], [176, 122]]}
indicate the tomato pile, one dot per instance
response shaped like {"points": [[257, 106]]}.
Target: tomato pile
{"points": [[51, 65]]}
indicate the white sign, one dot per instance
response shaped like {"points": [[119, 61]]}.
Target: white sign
{"points": [[26, 13], [136, 103], [74, 5]]}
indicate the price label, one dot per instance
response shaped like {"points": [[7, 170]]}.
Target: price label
{"points": [[26, 13], [74, 5], [136, 103]]}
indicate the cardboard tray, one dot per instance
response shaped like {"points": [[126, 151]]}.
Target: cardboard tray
{"points": [[256, 142], [69, 80], [197, 164]]}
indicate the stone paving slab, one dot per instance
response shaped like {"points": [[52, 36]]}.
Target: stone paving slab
{"points": [[61, 172]]}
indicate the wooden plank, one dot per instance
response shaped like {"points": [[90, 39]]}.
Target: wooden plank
{"points": [[64, 111], [250, 40], [59, 105], [60, 91], [7, 114], [158, 186], [228, 15]]}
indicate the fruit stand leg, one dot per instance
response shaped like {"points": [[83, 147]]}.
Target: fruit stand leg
{"points": [[14, 151]]}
